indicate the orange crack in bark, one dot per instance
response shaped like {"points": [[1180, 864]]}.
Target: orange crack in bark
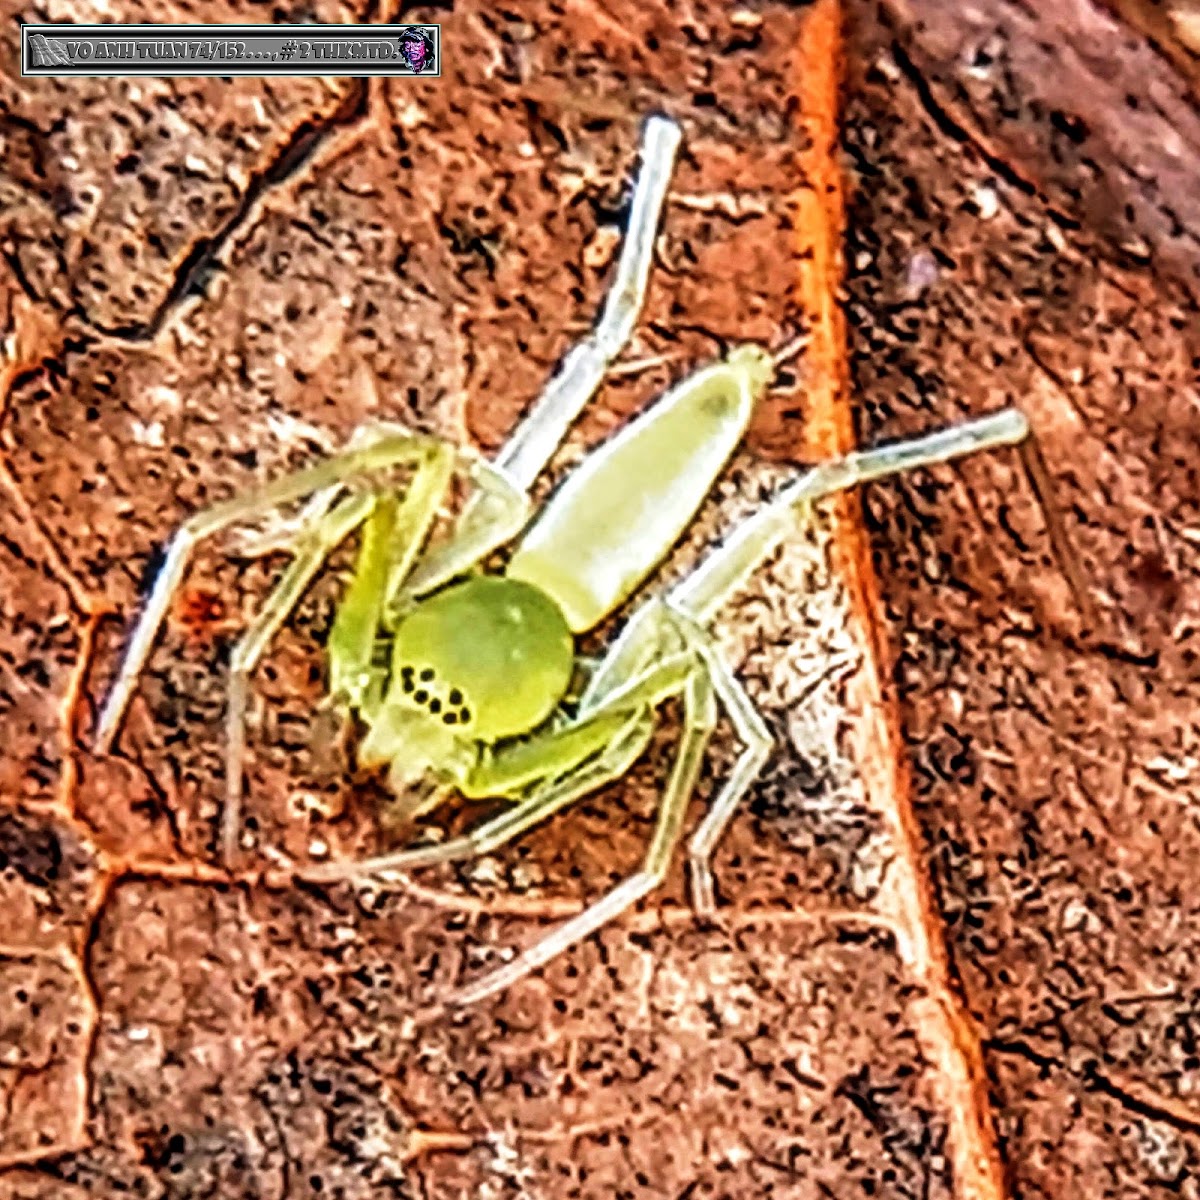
{"points": [[948, 1036], [29, 339]]}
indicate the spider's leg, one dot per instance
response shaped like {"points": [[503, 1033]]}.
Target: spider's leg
{"points": [[556, 768], [281, 534], [500, 509], [543, 801], [703, 593], [695, 601], [395, 527], [392, 539], [496, 513], [699, 717], [312, 546], [542, 431], [756, 749], [646, 629], [388, 450]]}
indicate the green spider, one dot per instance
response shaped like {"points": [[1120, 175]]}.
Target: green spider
{"points": [[470, 699]]}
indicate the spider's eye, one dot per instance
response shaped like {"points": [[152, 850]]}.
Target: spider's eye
{"points": [[493, 653]]}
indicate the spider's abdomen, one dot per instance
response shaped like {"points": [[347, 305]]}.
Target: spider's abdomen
{"points": [[624, 507], [489, 657]]}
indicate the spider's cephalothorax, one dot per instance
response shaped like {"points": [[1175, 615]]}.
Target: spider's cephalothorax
{"points": [[489, 658], [483, 660], [469, 695]]}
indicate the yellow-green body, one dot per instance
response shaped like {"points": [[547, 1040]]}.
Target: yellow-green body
{"points": [[463, 679], [627, 503], [489, 659]]}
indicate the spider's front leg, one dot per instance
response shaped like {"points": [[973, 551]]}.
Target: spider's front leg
{"points": [[551, 770], [662, 635], [373, 449], [389, 449], [396, 526]]}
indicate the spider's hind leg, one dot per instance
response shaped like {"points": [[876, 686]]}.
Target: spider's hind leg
{"points": [[583, 368], [493, 516]]}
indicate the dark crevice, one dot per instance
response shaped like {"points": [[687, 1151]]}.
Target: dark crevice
{"points": [[1141, 1102], [1137, 1098], [203, 260], [958, 132], [18, 273]]}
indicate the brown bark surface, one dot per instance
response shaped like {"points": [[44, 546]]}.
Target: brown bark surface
{"points": [[956, 956], [1017, 170]]}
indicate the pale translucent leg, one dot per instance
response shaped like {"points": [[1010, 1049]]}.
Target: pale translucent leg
{"points": [[692, 605], [727, 569], [389, 450], [390, 542], [524, 456], [312, 547], [647, 631], [542, 803], [756, 749], [543, 430], [280, 535], [699, 721], [497, 512]]}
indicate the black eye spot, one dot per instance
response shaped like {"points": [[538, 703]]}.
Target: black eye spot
{"points": [[464, 715], [427, 674], [455, 696], [406, 682], [422, 696], [435, 706], [406, 672], [450, 719]]}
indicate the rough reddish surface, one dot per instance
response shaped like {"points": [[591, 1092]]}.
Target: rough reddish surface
{"points": [[197, 276], [1069, 103], [1054, 765]]}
